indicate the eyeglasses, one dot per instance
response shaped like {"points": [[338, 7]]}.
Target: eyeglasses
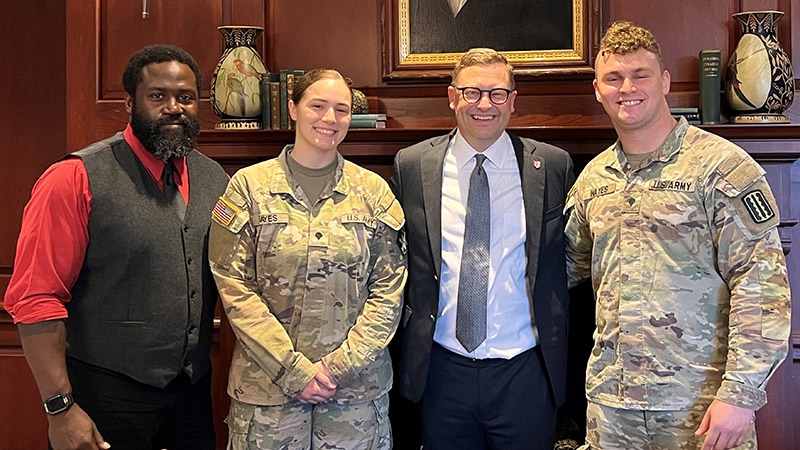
{"points": [[497, 96]]}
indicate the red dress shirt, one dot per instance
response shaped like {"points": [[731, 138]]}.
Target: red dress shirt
{"points": [[52, 242]]}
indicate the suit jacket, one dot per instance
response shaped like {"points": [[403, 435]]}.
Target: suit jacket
{"points": [[417, 183]]}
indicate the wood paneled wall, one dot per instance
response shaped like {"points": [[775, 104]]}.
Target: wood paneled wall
{"points": [[63, 73], [33, 137]]}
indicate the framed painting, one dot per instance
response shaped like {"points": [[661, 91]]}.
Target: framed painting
{"points": [[422, 39]]}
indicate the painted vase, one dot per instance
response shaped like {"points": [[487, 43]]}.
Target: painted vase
{"points": [[235, 86], [360, 104], [759, 81]]}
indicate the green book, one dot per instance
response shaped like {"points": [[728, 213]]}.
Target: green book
{"points": [[709, 85], [266, 110]]}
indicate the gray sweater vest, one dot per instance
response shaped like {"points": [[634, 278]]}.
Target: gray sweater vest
{"points": [[143, 304]]}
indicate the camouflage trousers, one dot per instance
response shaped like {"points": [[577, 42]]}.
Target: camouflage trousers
{"points": [[298, 426], [626, 429]]}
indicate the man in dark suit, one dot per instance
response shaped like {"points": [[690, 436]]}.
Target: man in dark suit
{"points": [[483, 335]]}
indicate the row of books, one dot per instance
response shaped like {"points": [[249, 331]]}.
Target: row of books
{"points": [[276, 90]]}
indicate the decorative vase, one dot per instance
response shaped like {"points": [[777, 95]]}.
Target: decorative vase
{"points": [[759, 82], [235, 90], [360, 104]]}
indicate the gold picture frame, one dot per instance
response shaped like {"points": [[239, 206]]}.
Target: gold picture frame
{"points": [[400, 63]]}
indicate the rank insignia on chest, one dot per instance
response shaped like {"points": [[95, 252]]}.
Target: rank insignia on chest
{"points": [[758, 206]]}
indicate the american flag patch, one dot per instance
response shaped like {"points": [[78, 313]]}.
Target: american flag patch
{"points": [[224, 212]]}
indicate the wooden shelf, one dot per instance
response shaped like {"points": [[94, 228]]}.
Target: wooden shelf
{"points": [[573, 134]]}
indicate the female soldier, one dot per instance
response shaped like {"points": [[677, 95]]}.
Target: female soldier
{"points": [[305, 252]]}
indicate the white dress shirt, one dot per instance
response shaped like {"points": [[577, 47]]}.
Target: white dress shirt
{"points": [[509, 329], [456, 5]]}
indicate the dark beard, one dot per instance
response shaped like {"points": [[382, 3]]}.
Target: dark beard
{"points": [[167, 144]]}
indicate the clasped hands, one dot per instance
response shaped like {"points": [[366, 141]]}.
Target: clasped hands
{"points": [[725, 426], [320, 388]]}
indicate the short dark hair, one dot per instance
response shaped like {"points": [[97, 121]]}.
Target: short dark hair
{"points": [[153, 54], [314, 75], [482, 57], [624, 37]]}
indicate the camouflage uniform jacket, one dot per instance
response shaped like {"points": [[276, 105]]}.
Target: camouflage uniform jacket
{"points": [[302, 283], [690, 281]]}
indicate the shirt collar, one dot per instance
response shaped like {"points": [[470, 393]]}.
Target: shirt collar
{"points": [[153, 165], [499, 153]]}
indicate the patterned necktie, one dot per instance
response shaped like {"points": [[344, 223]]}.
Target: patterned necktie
{"points": [[171, 193], [473, 282]]}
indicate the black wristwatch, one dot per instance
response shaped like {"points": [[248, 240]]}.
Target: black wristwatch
{"points": [[58, 404]]}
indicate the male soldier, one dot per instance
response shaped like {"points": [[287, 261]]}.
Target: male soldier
{"points": [[111, 290], [484, 328], [677, 229]]}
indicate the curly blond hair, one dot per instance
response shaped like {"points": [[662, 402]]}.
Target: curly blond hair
{"points": [[623, 38], [481, 57]]}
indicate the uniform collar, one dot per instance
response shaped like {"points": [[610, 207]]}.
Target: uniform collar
{"points": [[282, 181], [666, 151]]}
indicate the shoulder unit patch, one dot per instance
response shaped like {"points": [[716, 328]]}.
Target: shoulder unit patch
{"points": [[757, 205]]}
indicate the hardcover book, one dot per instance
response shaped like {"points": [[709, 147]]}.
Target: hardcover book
{"points": [[275, 100], [284, 77], [709, 85], [266, 111]]}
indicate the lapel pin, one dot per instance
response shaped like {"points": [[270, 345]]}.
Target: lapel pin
{"points": [[537, 164]]}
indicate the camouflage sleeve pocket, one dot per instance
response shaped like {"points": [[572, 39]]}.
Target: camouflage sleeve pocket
{"points": [[776, 298], [776, 322], [222, 245]]}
